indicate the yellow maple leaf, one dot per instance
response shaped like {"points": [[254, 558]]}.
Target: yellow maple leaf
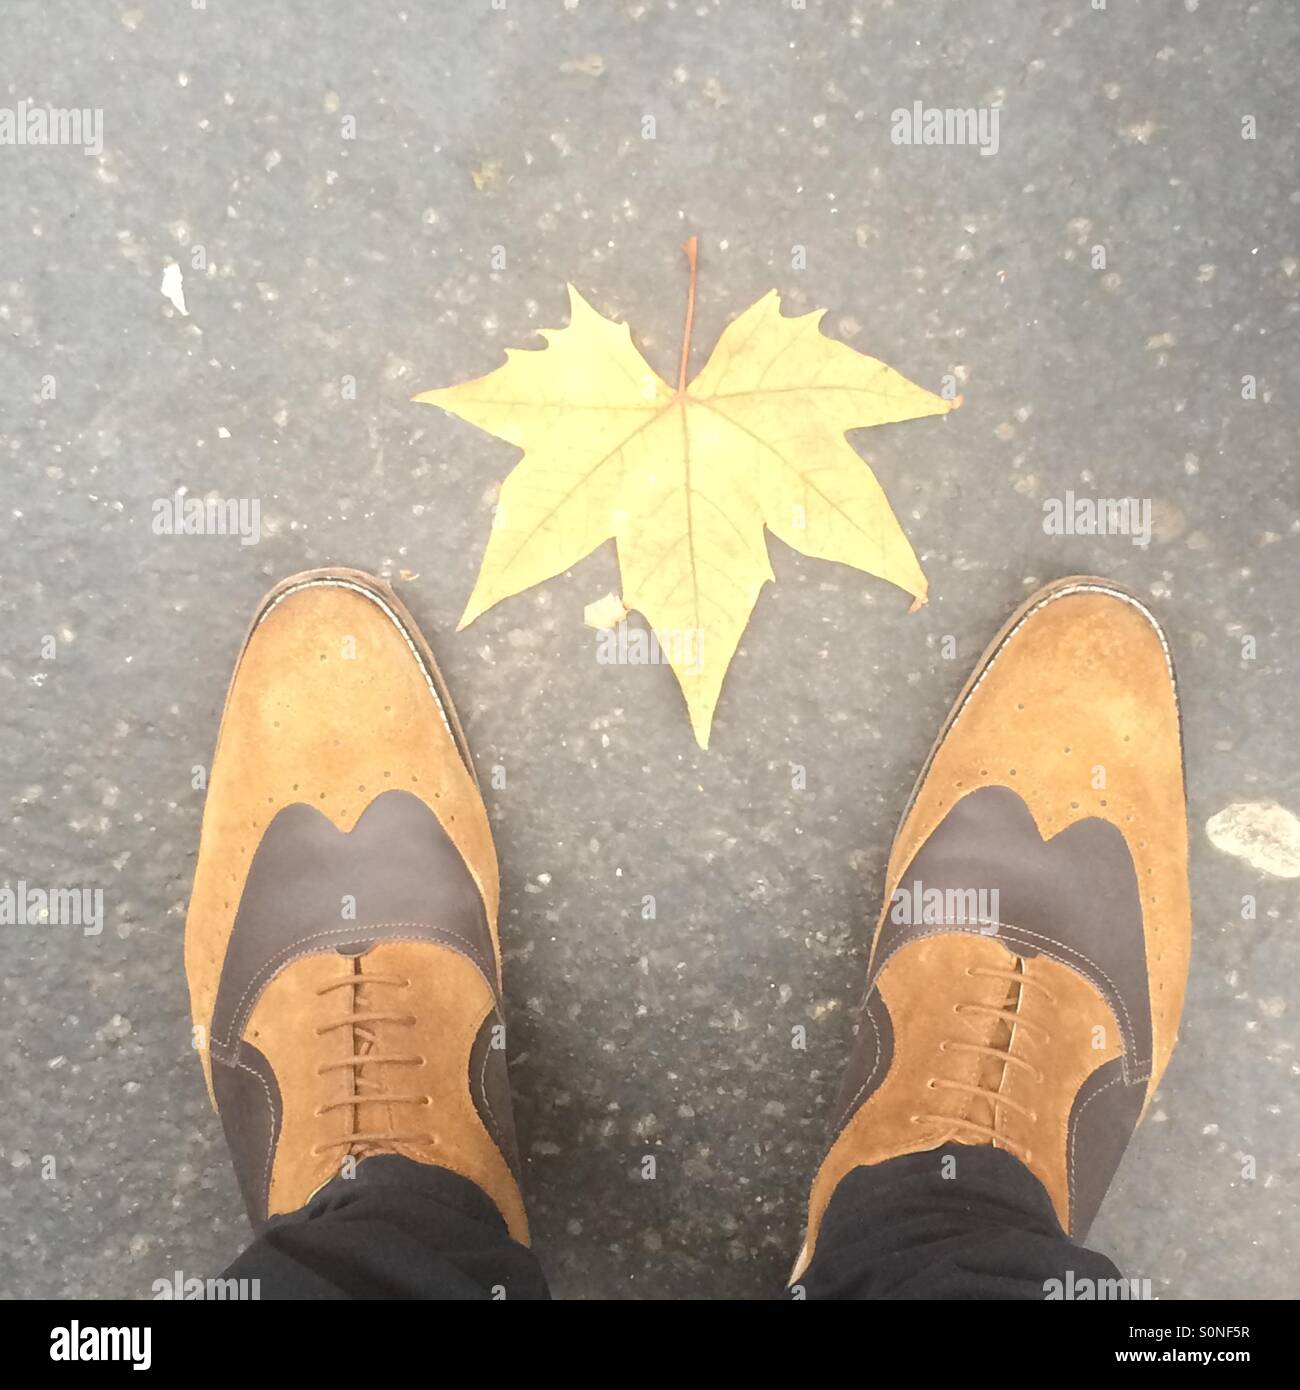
{"points": [[686, 479]]}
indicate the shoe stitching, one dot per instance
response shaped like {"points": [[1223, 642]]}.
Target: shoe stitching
{"points": [[1074, 1126], [494, 1129], [270, 1142], [495, 1133], [296, 952], [1141, 1066], [846, 1111]]}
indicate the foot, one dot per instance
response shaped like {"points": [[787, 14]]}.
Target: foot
{"points": [[1028, 969], [341, 943]]}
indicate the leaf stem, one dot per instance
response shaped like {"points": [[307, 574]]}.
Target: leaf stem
{"points": [[692, 260]]}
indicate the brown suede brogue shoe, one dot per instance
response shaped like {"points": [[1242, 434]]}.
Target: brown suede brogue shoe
{"points": [[1028, 970], [341, 944]]}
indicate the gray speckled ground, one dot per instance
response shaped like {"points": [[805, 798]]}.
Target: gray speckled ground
{"points": [[369, 258]]}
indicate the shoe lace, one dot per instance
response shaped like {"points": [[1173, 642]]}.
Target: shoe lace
{"points": [[1003, 1055], [367, 1088]]}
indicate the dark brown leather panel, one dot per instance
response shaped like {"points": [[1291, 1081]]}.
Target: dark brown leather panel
{"points": [[398, 867], [869, 1062], [1073, 897], [489, 1088], [248, 1101], [1102, 1121]]}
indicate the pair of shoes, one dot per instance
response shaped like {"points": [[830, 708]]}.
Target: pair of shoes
{"points": [[1026, 977]]}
